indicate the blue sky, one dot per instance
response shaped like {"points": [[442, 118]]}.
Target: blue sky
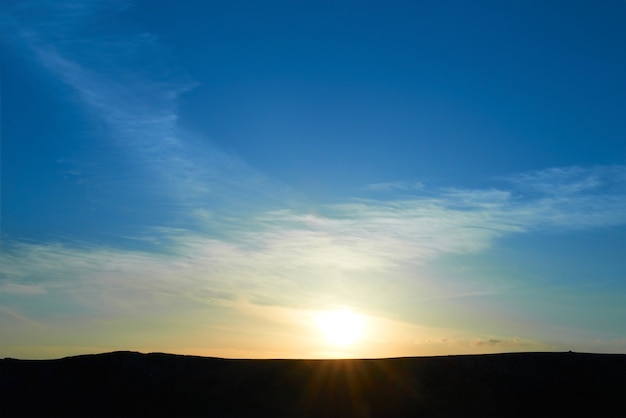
{"points": [[205, 177]]}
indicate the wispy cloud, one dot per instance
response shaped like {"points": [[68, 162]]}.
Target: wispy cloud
{"points": [[21, 289], [571, 197], [395, 186], [288, 257], [566, 181], [133, 85], [485, 344]]}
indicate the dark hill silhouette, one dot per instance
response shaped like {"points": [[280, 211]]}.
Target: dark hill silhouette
{"points": [[123, 384]]}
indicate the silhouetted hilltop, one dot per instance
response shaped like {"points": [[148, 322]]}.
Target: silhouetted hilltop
{"points": [[132, 384]]}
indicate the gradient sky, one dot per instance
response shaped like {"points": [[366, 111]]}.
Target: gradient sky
{"points": [[205, 177]]}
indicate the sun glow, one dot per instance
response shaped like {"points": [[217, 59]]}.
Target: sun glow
{"points": [[340, 327]]}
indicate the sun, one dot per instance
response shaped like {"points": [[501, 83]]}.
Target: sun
{"points": [[341, 327]]}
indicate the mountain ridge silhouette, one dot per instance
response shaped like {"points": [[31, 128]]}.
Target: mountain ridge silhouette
{"points": [[132, 384]]}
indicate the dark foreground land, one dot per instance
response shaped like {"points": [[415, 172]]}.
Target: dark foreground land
{"points": [[134, 384]]}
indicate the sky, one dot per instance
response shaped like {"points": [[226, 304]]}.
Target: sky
{"points": [[213, 177]]}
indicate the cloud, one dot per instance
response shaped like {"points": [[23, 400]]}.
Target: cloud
{"points": [[495, 342], [395, 186], [291, 257], [571, 198], [128, 80], [482, 344], [23, 289], [568, 181], [133, 84]]}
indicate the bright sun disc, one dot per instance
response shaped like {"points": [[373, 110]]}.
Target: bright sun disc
{"points": [[341, 327]]}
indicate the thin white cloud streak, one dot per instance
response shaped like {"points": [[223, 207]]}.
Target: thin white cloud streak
{"points": [[129, 81], [571, 197], [395, 186], [21, 289], [565, 181]]}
